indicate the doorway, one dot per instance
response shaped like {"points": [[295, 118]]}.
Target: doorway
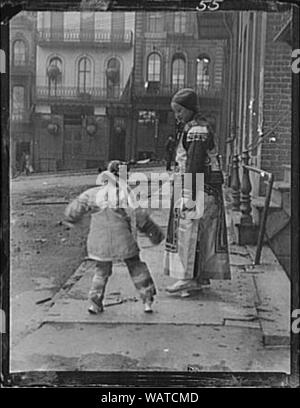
{"points": [[21, 149], [117, 149], [72, 146]]}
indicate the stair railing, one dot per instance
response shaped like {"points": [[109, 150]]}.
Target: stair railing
{"points": [[235, 184], [269, 177]]}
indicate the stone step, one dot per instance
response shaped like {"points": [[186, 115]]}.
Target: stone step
{"points": [[246, 234], [258, 204], [232, 228], [278, 214], [282, 190], [281, 193]]}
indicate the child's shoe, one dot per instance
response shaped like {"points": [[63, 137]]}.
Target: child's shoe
{"points": [[148, 306], [96, 306]]}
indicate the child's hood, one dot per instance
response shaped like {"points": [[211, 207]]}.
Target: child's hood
{"points": [[104, 177], [111, 192]]}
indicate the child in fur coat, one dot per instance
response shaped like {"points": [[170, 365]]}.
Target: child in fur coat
{"points": [[111, 237]]}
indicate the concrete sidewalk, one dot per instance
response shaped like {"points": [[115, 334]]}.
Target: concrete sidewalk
{"points": [[237, 325]]}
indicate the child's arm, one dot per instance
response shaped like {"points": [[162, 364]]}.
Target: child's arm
{"points": [[145, 224], [77, 209]]}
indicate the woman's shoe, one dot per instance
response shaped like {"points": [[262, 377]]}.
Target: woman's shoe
{"points": [[183, 285], [185, 293]]}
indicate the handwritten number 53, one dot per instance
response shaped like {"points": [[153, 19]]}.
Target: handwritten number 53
{"points": [[210, 5]]}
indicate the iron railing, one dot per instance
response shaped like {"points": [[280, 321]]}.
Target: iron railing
{"points": [[157, 89], [262, 227], [242, 198], [95, 36], [74, 93]]}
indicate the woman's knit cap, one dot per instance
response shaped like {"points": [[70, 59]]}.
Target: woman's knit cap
{"points": [[187, 98]]}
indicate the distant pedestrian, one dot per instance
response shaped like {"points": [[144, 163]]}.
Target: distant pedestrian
{"points": [[111, 238], [169, 151], [26, 167]]}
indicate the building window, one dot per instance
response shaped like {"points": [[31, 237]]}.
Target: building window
{"points": [[87, 24], [54, 73], [178, 73], [153, 74], [84, 75], [113, 78], [203, 80], [57, 25], [18, 103], [179, 22], [154, 23], [19, 53], [118, 24]]}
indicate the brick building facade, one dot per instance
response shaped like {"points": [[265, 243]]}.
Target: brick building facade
{"points": [[277, 96], [262, 101], [174, 50]]}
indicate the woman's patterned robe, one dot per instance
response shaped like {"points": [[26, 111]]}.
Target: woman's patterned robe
{"points": [[196, 247]]}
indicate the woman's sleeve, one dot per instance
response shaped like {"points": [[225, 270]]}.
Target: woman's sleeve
{"points": [[77, 208], [199, 139]]}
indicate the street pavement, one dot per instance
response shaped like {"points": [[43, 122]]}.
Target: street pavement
{"points": [[241, 324]]}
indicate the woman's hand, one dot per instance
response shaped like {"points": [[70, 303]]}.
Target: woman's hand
{"points": [[186, 206]]}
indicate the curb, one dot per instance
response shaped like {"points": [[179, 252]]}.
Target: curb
{"points": [[91, 172]]}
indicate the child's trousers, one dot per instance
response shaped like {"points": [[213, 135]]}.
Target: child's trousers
{"points": [[138, 271]]}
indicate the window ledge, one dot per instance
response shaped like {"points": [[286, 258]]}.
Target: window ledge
{"points": [[162, 34]]}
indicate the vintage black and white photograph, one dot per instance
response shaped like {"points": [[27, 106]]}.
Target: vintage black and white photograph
{"points": [[150, 190]]}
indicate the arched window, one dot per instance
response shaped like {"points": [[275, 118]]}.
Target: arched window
{"points": [[84, 75], [202, 79], [178, 72], [113, 78], [54, 72], [18, 103], [19, 53], [154, 64]]}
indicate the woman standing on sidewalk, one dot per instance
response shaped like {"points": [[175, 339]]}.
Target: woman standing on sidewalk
{"points": [[196, 246]]}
